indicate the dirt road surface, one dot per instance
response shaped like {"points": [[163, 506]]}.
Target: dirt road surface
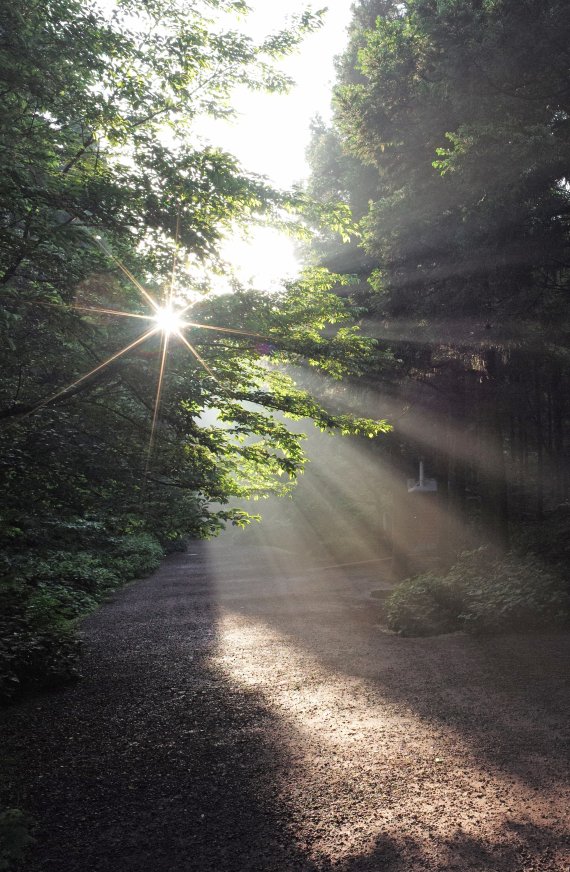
{"points": [[241, 710]]}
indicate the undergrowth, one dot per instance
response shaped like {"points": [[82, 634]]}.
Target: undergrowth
{"points": [[482, 594], [44, 591]]}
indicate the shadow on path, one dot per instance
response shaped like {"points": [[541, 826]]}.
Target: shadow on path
{"points": [[507, 696], [154, 761], [159, 762]]}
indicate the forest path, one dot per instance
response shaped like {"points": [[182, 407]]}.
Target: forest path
{"points": [[241, 711]]}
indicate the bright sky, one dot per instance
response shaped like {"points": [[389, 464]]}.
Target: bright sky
{"points": [[271, 132]]}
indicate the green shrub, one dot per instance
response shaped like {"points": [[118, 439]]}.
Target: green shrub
{"points": [[549, 538], [417, 607], [49, 599], [482, 595], [37, 644], [81, 570], [135, 555], [42, 596], [517, 594]]}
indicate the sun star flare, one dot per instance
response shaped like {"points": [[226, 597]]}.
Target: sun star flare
{"points": [[164, 319], [169, 320]]}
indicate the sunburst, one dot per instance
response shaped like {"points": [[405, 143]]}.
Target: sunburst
{"points": [[169, 320], [164, 319]]}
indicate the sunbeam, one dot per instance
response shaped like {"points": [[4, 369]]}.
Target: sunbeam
{"points": [[103, 311], [152, 302], [223, 329], [196, 355], [96, 369], [165, 341], [361, 742]]}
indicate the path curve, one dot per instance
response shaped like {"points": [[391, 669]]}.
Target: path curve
{"points": [[244, 711]]}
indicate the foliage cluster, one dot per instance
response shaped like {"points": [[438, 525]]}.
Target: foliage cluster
{"points": [[481, 594], [103, 165], [42, 594], [463, 109]]}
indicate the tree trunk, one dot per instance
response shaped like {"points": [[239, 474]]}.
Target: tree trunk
{"points": [[493, 472]]}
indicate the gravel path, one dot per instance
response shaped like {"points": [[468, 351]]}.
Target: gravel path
{"points": [[240, 714]]}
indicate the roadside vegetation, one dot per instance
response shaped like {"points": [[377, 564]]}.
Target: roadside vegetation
{"points": [[46, 591], [482, 594]]}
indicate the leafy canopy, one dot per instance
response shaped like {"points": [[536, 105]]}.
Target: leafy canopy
{"points": [[104, 180]]}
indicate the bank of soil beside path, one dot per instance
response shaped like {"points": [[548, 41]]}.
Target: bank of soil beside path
{"points": [[242, 710]]}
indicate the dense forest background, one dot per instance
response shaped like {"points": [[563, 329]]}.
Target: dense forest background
{"points": [[440, 207], [450, 144]]}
